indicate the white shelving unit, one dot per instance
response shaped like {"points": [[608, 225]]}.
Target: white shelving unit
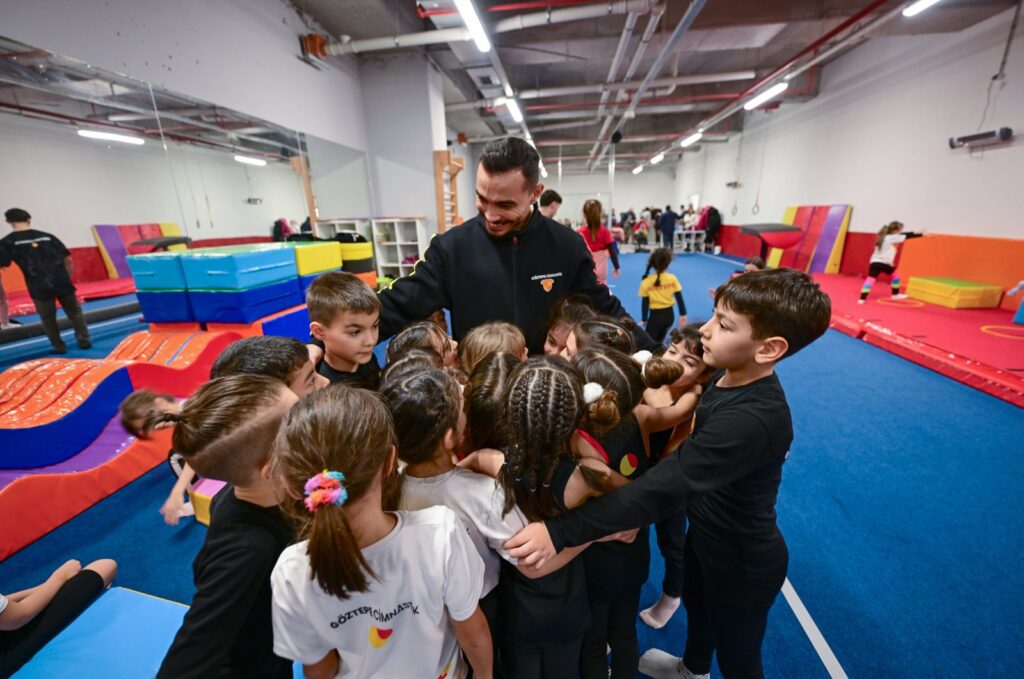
{"points": [[327, 229], [397, 239]]}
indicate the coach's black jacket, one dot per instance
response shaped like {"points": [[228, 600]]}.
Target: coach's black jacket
{"points": [[515, 278]]}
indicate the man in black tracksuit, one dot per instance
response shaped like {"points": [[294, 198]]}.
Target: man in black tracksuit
{"points": [[509, 263]]}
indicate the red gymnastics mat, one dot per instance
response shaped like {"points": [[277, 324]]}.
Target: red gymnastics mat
{"points": [[979, 347]]}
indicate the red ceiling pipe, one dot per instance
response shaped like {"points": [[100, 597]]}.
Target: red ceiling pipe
{"points": [[810, 48], [510, 7]]}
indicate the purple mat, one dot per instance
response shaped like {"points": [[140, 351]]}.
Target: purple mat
{"points": [[110, 236], [827, 238], [111, 442]]}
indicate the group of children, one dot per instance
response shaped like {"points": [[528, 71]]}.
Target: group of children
{"points": [[369, 531]]}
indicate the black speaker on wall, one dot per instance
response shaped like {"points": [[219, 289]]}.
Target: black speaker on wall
{"points": [[617, 137]]}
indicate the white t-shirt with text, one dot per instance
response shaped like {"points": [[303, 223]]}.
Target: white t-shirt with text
{"points": [[428, 574], [478, 500]]}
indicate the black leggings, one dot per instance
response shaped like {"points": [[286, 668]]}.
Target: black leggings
{"points": [[613, 623], [540, 662], [727, 613], [671, 532], [18, 646], [659, 323]]}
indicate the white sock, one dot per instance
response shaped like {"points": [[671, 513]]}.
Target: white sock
{"points": [[658, 615]]}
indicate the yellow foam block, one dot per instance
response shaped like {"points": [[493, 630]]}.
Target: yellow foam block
{"points": [[170, 229], [954, 293], [789, 215], [836, 256], [317, 257], [356, 250], [201, 495], [774, 257]]}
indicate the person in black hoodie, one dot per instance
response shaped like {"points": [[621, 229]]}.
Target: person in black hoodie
{"points": [[509, 263], [726, 475]]}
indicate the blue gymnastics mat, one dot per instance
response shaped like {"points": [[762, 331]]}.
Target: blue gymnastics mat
{"points": [[123, 634]]}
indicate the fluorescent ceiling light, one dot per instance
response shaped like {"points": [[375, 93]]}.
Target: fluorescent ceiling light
{"points": [[772, 91], [513, 108], [500, 101], [691, 140], [472, 21], [543, 171], [111, 136], [657, 159], [246, 160], [638, 169], [918, 7], [508, 90]]}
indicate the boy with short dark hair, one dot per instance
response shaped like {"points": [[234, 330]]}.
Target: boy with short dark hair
{"points": [[227, 431], [46, 265], [726, 475], [344, 315], [283, 358]]}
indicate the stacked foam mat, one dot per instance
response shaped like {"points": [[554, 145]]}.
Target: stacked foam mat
{"points": [[237, 285]]}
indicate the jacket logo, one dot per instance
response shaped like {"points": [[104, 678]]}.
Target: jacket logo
{"points": [[547, 284]]}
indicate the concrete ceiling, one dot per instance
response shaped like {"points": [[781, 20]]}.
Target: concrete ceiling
{"points": [[728, 35]]}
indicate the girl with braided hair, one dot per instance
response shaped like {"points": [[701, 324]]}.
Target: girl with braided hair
{"points": [[365, 579], [543, 618], [618, 425]]}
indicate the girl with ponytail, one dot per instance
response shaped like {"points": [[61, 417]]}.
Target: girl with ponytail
{"points": [[363, 578], [883, 259], [599, 240], [618, 426]]}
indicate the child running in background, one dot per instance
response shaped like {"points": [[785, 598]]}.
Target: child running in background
{"points": [[657, 293], [369, 593], [620, 425], [883, 259], [684, 349], [29, 619], [226, 432], [599, 241]]}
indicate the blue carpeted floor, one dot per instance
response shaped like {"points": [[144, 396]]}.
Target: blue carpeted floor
{"points": [[899, 503]]}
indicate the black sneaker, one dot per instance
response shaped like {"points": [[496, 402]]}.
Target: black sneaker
{"points": [[85, 345], [59, 350]]}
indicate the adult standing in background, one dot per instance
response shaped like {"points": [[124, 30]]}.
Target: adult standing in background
{"points": [[667, 226], [550, 201], [46, 264]]}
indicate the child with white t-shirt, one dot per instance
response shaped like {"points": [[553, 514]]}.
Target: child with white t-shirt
{"points": [[370, 593]]}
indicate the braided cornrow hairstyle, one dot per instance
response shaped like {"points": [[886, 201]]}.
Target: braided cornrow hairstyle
{"points": [[423, 405], [485, 400], [544, 408]]}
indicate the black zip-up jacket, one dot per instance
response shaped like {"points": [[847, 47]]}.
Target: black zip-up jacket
{"points": [[515, 278]]}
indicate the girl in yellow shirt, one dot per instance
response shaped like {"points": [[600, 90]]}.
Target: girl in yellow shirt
{"points": [[657, 292]]}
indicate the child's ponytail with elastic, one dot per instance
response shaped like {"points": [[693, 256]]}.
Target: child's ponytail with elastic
{"points": [[658, 372], [333, 448], [603, 415]]}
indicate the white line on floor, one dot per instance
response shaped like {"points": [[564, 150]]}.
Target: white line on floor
{"points": [[828, 658], [724, 259]]}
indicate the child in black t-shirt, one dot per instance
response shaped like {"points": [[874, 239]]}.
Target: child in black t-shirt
{"points": [[726, 475], [226, 432], [344, 315], [46, 264]]}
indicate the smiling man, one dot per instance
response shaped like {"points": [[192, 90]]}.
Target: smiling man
{"points": [[509, 263]]}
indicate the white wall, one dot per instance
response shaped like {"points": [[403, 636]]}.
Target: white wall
{"points": [[69, 183], [875, 137], [466, 180], [652, 187], [340, 181], [403, 131], [241, 54]]}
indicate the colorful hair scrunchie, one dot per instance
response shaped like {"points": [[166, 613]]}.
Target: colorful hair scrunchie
{"points": [[326, 488]]}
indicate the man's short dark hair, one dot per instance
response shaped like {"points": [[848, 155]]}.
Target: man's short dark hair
{"points": [[548, 197], [270, 355], [16, 214], [512, 153], [779, 303]]}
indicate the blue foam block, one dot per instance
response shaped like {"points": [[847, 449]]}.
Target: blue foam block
{"points": [[245, 306], [166, 306], [123, 634], [56, 441], [1019, 316], [294, 324], [157, 271], [231, 269]]}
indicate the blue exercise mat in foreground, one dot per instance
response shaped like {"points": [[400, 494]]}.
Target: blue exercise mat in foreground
{"points": [[123, 634]]}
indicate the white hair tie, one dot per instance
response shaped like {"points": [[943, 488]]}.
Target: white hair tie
{"points": [[642, 356], [591, 392]]}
